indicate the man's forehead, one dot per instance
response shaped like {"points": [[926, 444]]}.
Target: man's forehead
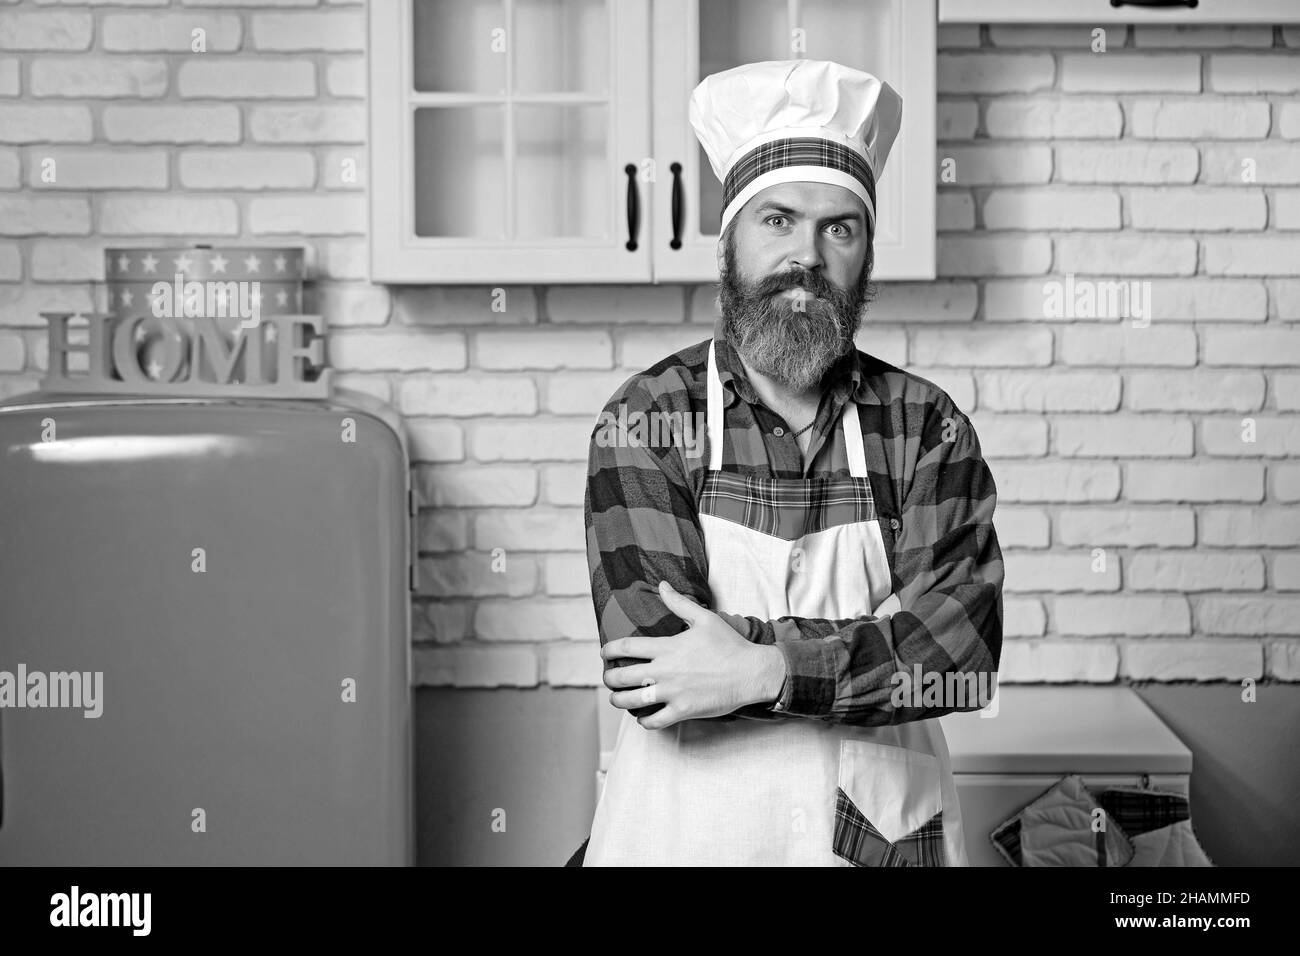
{"points": [[808, 198]]}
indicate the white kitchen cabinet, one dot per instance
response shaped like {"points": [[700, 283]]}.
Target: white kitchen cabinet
{"points": [[1179, 12], [548, 141]]}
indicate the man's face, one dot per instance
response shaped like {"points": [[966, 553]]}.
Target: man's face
{"points": [[792, 236]]}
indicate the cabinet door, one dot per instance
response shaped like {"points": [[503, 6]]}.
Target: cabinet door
{"points": [[508, 141], [891, 39]]}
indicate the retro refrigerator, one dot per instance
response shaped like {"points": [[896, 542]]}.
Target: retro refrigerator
{"points": [[238, 570]]}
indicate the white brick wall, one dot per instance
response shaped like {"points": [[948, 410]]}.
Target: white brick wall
{"points": [[1145, 539]]}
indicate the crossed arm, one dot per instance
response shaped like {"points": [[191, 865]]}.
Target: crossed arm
{"points": [[642, 529]]}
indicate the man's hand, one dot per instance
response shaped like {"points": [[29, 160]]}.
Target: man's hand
{"points": [[705, 671]]}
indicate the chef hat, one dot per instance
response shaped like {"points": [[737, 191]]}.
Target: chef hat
{"points": [[795, 121]]}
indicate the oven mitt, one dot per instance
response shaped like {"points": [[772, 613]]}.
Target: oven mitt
{"points": [[1055, 829], [1159, 824]]}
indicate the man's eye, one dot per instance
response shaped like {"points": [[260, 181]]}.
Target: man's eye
{"points": [[844, 230], [770, 218]]}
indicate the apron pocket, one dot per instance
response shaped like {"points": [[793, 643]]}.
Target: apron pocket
{"points": [[888, 806]]}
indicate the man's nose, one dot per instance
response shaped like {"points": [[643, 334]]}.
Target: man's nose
{"points": [[806, 253]]}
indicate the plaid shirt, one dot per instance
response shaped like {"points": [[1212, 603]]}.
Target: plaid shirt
{"points": [[934, 499]]}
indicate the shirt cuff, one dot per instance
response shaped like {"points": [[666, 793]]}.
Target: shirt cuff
{"points": [[809, 689]]}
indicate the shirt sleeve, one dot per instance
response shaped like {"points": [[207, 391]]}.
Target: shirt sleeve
{"points": [[948, 576]]}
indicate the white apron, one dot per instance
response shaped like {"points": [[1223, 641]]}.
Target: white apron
{"points": [[792, 791]]}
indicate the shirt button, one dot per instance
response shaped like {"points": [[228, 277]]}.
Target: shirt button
{"points": [[778, 431], [893, 523]]}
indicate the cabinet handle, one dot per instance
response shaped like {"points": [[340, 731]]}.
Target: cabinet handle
{"points": [[1190, 4], [679, 200], [633, 207]]}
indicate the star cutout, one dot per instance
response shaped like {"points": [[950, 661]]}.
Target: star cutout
{"points": [[219, 263], [150, 263], [182, 264], [123, 263], [127, 296], [253, 264], [255, 298], [282, 298], [270, 332], [280, 262], [155, 369], [139, 333]]}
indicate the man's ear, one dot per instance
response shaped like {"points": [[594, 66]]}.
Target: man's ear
{"points": [[722, 254]]}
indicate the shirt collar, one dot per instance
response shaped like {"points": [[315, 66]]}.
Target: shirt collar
{"points": [[844, 377]]}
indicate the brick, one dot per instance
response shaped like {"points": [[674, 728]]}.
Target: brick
{"points": [[1198, 117], [1124, 345], [1126, 527], [536, 619], [467, 395], [1288, 120], [1255, 73], [23, 123], [1023, 617], [1267, 526], [1255, 256], [958, 384], [75, 168], [1110, 436], [174, 32], [473, 574], [11, 385], [11, 262], [343, 259], [465, 305], [1197, 391], [9, 169], [1283, 660], [171, 124], [574, 664], [954, 212], [1255, 616], [1049, 391], [551, 349], [532, 440], [1041, 35], [1197, 209], [1285, 574], [957, 119], [1130, 73], [1054, 117], [995, 72], [1251, 346], [247, 169], [73, 260], [567, 574], [1019, 527], [1194, 481], [376, 385], [21, 305], [1286, 209], [12, 352], [312, 215], [333, 32], [564, 484], [10, 80], [344, 169], [468, 666], [46, 30], [1192, 571], [883, 342], [1196, 299], [1268, 164], [1047, 208], [1286, 392], [308, 124], [351, 303], [1125, 254], [1274, 436], [641, 348], [991, 346], [956, 35], [444, 622], [999, 164], [1066, 299], [1189, 36], [441, 531], [605, 304], [1011, 436], [99, 77], [1126, 163], [247, 78], [1095, 615], [1053, 661], [1032, 482], [582, 393], [531, 529], [346, 76], [1198, 659], [1043, 571], [983, 255], [23, 215], [1285, 482], [935, 301], [435, 442], [170, 215], [395, 351]]}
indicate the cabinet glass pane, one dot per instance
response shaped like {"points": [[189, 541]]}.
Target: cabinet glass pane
{"points": [[562, 171], [733, 32], [563, 46], [856, 34], [455, 48], [459, 167]]}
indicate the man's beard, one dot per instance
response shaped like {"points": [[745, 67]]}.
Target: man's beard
{"points": [[794, 347]]}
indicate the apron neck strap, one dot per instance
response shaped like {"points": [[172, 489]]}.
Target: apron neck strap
{"points": [[717, 406]]}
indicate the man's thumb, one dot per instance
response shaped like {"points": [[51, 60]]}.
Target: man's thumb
{"points": [[678, 603]]}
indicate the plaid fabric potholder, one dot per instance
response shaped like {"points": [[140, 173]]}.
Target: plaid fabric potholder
{"points": [[1159, 824], [1055, 829]]}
